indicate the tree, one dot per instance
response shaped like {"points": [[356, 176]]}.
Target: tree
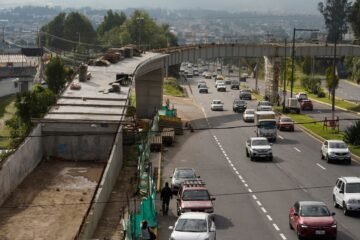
{"points": [[336, 15], [306, 66], [78, 28], [330, 83], [55, 75], [355, 18], [352, 134], [111, 20], [54, 28], [30, 104]]}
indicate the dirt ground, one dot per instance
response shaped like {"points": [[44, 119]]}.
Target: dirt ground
{"points": [[51, 202]]}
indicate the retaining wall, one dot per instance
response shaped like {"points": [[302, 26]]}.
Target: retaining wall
{"points": [[104, 189], [20, 164]]}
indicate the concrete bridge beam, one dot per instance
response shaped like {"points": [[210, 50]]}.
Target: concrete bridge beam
{"points": [[272, 74], [149, 93]]}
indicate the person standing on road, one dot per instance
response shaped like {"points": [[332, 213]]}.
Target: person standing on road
{"points": [[146, 233], [166, 195]]}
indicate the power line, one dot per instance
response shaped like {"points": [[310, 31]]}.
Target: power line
{"points": [[159, 132], [118, 201]]}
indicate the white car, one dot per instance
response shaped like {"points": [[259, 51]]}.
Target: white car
{"points": [[346, 194], [249, 115], [194, 225], [335, 151], [217, 82], [217, 105], [220, 87], [258, 147]]}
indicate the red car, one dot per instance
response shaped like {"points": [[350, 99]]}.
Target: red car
{"points": [[306, 104], [193, 196], [312, 219], [286, 123]]}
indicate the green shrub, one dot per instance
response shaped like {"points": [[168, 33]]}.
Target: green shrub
{"points": [[352, 134]]}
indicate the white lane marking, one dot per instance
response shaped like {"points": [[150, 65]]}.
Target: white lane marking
{"points": [[319, 111], [249, 189], [320, 166], [276, 227], [297, 149], [281, 137]]}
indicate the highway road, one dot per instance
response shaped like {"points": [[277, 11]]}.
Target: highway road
{"points": [[253, 198], [320, 110], [347, 91]]}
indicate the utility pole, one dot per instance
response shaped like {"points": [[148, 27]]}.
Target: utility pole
{"points": [[333, 83], [284, 81], [140, 21]]}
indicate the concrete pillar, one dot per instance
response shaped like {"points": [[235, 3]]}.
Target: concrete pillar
{"points": [[272, 73], [149, 93]]}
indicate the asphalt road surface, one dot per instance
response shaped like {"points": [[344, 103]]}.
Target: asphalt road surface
{"points": [[252, 198]]}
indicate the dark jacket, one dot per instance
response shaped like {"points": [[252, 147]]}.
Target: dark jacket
{"points": [[166, 194]]}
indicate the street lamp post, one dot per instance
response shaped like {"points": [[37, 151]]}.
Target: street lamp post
{"points": [[140, 21], [284, 81], [333, 84], [293, 55]]}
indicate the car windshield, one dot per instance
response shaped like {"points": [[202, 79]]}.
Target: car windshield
{"points": [[199, 195], [337, 145], [235, 82], [239, 102], [264, 103], [250, 112], [285, 120], [217, 102], [245, 91], [185, 174], [267, 124], [353, 188], [191, 225], [314, 211], [260, 142]]}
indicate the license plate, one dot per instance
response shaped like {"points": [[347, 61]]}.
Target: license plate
{"points": [[320, 232], [262, 155]]}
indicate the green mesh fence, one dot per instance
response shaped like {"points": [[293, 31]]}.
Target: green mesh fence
{"points": [[147, 188]]}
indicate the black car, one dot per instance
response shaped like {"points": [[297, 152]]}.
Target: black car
{"points": [[245, 95], [239, 105], [235, 84], [203, 88]]}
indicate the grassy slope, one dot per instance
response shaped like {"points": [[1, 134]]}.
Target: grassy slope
{"points": [[7, 110]]}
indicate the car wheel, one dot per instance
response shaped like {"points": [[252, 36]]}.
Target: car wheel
{"points": [[298, 235], [345, 210], [322, 156], [290, 226], [251, 158], [328, 159], [247, 153], [336, 205], [348, 162], [271, 158]]}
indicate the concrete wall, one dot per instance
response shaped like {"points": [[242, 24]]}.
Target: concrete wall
{"points": [[20, 164], [104, 190], [78, 142], [149, 93], [7, 87]]}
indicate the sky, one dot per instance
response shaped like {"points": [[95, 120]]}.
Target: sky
{"points": [[283, 6]]}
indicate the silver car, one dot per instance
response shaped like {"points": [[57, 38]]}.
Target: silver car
{"points": [[194, 225], [180, 175]]}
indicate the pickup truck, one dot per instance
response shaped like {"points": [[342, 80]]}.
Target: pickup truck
{"points": [[259, 147]]}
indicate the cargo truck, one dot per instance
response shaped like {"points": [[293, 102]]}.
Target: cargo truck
{"points": [[266, 125]]}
